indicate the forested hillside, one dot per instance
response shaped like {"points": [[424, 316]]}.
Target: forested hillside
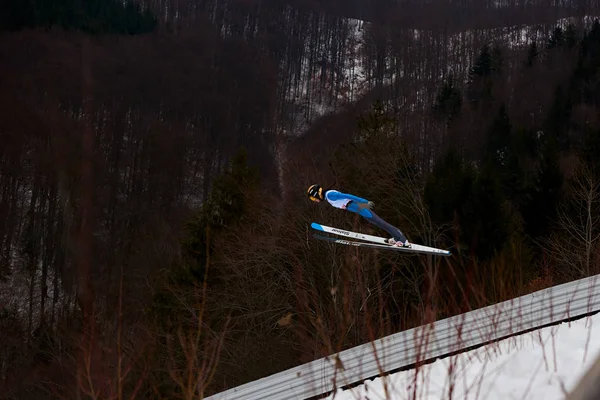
{"points": [[155, 156]]}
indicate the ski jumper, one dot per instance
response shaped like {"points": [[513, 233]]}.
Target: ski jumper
{"points": [[353, 203]]}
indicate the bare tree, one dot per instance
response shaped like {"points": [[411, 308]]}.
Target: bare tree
{"points": [[577, 234]]}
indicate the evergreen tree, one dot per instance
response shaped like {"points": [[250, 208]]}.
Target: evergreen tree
{"points": [[375, 123], [557, 38], [519, 168], [487, 65], [571, 38], [545, 192], [532, 54], [558, 120], [16, 15], [590, 44], [506, 153], [229, 205], [91, 16], [448, 103], [448, 189], [499, 140], [483, 64], [488, 227], [590, 151], [497, 60], [584, 83]]}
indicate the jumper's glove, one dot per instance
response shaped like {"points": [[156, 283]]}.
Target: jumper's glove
{"points": [[368, 205]]}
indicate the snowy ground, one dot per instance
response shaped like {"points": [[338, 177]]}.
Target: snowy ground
{"points": [[543, 364]]}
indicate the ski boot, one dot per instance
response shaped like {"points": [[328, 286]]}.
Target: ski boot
{"points": [[393, 242]]}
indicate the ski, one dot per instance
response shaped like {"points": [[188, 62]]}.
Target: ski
{"points": [[350, 234], [415, 248], [373, 241]]}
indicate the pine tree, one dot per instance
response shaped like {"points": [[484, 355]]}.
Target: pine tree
{"points": [[571, 38], [90, 16], [532, 54], [375, 123], [488, 229], [590, 150], [448, 188], [483, 64], [545, 192], [584, 83], [557, 38], [558, 120], [448, 103], [499, 139], [487, 65], [228, 206], [519, 168]]}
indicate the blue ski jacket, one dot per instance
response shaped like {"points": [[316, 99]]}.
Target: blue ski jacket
{"points": [[348, 202]]}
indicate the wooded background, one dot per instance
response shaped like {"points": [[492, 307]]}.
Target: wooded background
{"points": [[154, 224]]}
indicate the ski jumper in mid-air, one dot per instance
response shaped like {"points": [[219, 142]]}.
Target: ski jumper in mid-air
{"points": [[358, 206]]}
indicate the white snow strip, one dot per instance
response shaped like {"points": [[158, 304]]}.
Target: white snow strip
{"points": [[544, 364]]}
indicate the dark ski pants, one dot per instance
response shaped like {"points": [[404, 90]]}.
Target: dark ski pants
{"points": [[377, 221]]}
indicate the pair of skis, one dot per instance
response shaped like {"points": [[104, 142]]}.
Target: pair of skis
{"points": [[372, 241]]}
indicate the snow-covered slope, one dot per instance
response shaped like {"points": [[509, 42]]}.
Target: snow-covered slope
{"points": [[544, 364]]}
